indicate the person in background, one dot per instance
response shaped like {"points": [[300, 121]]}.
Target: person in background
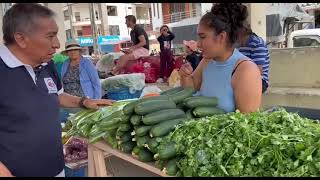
{"points": [[140, 46], [79, 75], [224, 72], [255, 48], [193, 56], [30, 130], [166, 57]]}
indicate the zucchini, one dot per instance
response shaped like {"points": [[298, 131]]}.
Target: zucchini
{"points": [[165, 127], [125, 137], [201, 101], [171, 91], [125, 118], [153, 106], [127, 147], [166, 152], [142, 130], [108, 128], [171, 167], [124, 127], [135, 151], [141, 141], [109, 122], [162, 115], [128, 109], [152, 144], [181, 95], [135, 119], [153, 98], [145, 155], [189, 114], [181, 106], [206, 111]]}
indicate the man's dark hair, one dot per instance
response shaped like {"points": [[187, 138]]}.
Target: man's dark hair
{"points": [[131, 18], [22, 17]]}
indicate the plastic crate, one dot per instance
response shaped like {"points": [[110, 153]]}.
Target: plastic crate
{"points": [[75, 172], [122, 94], [303, 112]]}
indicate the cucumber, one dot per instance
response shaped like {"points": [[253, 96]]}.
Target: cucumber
{"points": [[141, 141], [147, 107], [135, 151], [129, 108], [181, 95], [127, 147], [181, 106], [125, 118], [152, 144], [135, 119], [206, 111], [125, 137], [171, 91], [142, 130], [145, 155], [124, 127], [189, 114], [171, 167], [166, 152], [201, 101], [153, 98], [165, 127], [162, 115]]}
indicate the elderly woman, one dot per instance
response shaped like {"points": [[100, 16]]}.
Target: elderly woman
{"points": [[79, 75]]}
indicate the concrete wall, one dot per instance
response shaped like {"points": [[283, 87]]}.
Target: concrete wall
{"points": [[257, 18], [295, 67], [157, 21]]}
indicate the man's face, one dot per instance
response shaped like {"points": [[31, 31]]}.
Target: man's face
{"points": [[128, 23], [41, 44]]}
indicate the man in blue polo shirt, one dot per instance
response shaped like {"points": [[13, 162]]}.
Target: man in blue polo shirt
{"points": [[30, 131]]}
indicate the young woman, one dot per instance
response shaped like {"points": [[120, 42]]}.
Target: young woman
{"points": [[166, 58], [224, 72]]}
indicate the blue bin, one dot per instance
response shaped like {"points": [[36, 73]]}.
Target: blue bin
{"points": [[122, 94], [75, 172]]}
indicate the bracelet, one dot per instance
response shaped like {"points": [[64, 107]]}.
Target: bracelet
{"points": [[82, 101]]}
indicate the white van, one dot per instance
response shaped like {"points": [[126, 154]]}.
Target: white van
{"points": [[305, 37]]}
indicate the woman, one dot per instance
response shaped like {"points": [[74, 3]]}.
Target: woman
{"points": [[193, 56], [224, 72], [166, 58], [255, 48], [78, 74]]}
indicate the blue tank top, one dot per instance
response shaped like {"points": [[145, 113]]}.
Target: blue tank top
{"points": [[216, 81]]}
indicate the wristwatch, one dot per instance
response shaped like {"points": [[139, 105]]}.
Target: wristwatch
{"points": [[81, 103]]}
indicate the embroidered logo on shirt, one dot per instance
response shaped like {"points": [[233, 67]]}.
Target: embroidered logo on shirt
{"points": [[52, 88]]}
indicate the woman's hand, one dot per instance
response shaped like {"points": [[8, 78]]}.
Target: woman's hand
{"points": [[185, 70], [96, 103]]}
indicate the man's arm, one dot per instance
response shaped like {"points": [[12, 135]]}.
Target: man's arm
{"points": [[67, 100], [142, 42]]}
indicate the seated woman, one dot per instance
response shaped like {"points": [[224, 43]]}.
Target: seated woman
{"points": [[224, 72], [193, 56]]}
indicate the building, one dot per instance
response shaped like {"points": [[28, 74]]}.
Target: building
{"points": [[111, 30], [313, 9], [183, 19]]}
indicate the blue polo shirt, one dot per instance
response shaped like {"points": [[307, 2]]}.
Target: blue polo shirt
{"points": [[30, 131]]}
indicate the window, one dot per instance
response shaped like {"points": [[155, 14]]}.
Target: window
{"points": [[66, 15], [77, 16], [302, 41], [177, 7], [114, 30], [154, 10], [158, 10], [79, 32], [97, 15], [112, 10]]}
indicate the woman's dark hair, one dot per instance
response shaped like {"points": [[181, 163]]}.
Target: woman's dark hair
{"points": [[228, 17], [164, 26]]}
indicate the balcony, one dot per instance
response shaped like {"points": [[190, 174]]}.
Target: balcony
{"points": [[84, 22], [178, 16]]}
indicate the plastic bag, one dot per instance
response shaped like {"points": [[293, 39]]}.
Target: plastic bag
{"points": [[106, 63], [174, 79], [150, 89], [134, 82], [150, 72]]}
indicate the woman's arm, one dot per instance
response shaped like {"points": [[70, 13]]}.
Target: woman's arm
{"points": [[94, 78], [247, 87]]}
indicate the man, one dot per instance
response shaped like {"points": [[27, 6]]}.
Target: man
{"points": [[140, 46], [30, 131]]}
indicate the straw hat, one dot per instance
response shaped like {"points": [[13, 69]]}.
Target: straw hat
{"points": [[193, 45], [72, 45]]}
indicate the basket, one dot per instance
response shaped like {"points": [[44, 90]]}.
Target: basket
{"points": [[122, 94]]}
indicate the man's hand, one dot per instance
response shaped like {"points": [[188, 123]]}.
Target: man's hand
{"points": [[129, 51], [4, 171], [95, 103]]}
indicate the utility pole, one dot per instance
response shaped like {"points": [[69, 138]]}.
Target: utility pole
{"points": [[73, 34], [94, 29]]}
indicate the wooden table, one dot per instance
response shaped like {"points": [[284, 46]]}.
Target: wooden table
{"points": [[96, 161]]}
